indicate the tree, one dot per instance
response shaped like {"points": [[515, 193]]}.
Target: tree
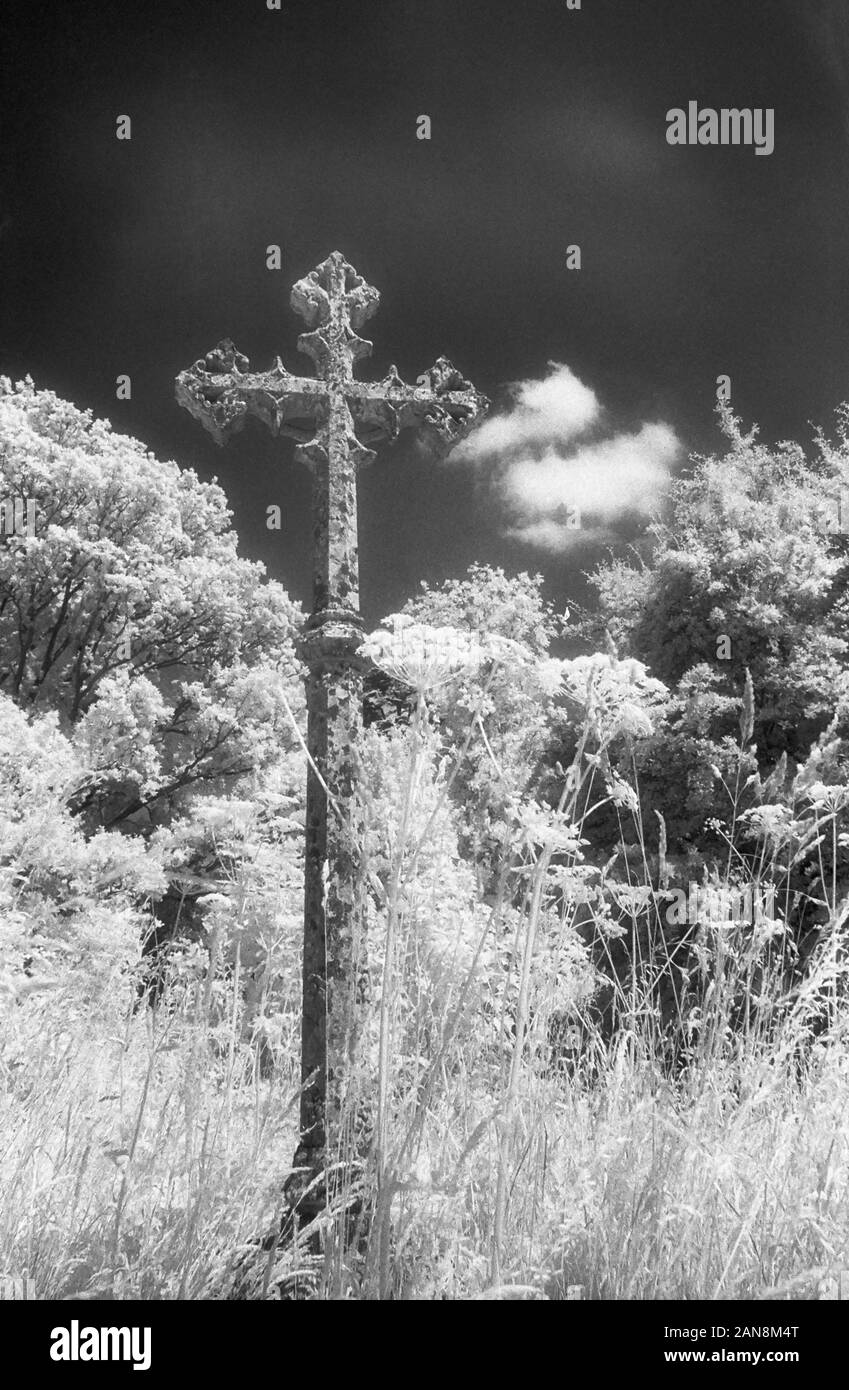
{"points": [[130, 613], [745, 573], [488, 600]]}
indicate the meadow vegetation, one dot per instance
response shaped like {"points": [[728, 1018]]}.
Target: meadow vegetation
{"points": [[574, 1084]]}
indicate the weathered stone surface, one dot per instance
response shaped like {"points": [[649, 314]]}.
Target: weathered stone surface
{"points": [[335, 421]]}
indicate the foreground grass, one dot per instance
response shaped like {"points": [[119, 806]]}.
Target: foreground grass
{"points": [[139, 1152], [141, 1155]]}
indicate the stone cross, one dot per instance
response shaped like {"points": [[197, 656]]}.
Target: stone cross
{"points": [[335, 419]]}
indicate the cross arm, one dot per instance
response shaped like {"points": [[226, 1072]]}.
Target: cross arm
{"points": [[443, 405], [220, 391]]}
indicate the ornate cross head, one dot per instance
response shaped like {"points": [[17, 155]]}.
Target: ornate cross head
{"points": [[334, 302]]}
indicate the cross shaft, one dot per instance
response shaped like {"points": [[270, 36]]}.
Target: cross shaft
{"points": [[335, 420]]}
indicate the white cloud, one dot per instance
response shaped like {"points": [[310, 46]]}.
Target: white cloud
{"points": [[559, 407], [617, 475], [543, 465], [554, 536]]}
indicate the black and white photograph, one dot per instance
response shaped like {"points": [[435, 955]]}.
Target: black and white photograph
{"points": [[424, 668]]}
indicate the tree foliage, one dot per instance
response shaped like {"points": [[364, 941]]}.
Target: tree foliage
{"points": [[742, 586], [747, 552], [131, 614]]}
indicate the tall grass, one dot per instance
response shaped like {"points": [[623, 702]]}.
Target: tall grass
{"points": [[139, 1148], [143, 1152]]}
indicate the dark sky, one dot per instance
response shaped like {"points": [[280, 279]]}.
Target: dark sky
{"points": [[298, 127]]}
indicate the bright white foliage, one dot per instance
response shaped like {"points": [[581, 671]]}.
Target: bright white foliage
{"points": [[130, 611]]}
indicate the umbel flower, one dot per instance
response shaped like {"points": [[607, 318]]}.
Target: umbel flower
{"points": [[420, 656], [619, 697], [828, 798], [541, 826]]}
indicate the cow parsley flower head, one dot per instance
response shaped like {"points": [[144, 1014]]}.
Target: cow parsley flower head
{"points": [[774, 824], [420, 656], [826, 797], [632, 898], [541, 826], [619, 697]]}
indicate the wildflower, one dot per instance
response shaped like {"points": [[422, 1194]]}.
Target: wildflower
{"points": [[621, 794], [420, 656], [774, 824], [768, 928], [632, 899], [828, 798], [618, 696], [540, 826], [572, 882]]}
